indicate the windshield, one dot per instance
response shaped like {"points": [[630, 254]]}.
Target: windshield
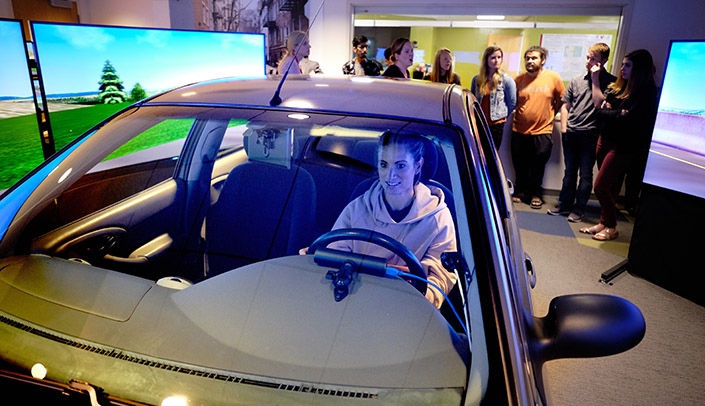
{"points": [[205, 222]]}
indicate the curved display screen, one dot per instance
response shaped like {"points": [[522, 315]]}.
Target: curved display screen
{"points": [[91, 71], [20, 144], [677, 154]]}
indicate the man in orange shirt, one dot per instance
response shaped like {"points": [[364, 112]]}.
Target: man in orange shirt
{"points": [[539, 93]]}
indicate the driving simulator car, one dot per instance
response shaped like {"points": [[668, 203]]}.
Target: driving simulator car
{"points": [[158, 256]]}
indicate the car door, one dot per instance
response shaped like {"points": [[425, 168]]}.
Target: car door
{"points": [[519, 271], [133, 210]]}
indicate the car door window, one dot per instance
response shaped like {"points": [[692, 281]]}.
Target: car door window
{"points": [[163, 140], [142, 162], [494, 168]]}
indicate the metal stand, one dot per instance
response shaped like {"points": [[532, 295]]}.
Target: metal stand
{"points": [[613, 272]]}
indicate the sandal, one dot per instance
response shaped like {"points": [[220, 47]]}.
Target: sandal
{"points": [[593, 230], [518, 198], [606, 235], [536, 202]]}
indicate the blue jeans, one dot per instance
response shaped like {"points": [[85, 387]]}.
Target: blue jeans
{"points": [[579, 157]]}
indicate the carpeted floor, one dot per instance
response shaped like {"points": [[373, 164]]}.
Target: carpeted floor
{"points": [[666, 368]]}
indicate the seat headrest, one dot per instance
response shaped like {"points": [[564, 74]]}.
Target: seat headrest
{"points": [[366, 151], [430, 159]]}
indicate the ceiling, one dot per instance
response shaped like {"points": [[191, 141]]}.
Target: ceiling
{"points": [[573, 22]]}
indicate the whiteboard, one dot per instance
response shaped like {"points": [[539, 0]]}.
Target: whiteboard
{"points": [[567, 52]]}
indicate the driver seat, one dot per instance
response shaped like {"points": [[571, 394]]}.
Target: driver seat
{"points": [[428, 171]]}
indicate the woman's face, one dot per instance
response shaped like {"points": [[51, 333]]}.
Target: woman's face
{"points": [[304, 49], [626, 69], [406, 57], [397, 169], [446, 61], [494, 61]]}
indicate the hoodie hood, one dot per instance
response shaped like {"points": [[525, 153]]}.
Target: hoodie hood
{"points": [[428, 200]]}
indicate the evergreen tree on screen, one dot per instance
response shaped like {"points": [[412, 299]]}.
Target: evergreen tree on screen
{"points": [[137, 92], [111, 88]]}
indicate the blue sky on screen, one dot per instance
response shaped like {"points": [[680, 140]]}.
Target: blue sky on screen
{"points": [[72, 57], [684, 71], [13, 69]]}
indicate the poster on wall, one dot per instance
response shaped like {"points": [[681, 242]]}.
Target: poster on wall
{"points": [[567, 52]]}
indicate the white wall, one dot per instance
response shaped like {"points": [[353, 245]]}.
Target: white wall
{"points": [[654, 24], [6, 9], [136, 13]]}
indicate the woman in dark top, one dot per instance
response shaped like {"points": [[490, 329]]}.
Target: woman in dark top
{"points": [[402, 58], [628, 112]]}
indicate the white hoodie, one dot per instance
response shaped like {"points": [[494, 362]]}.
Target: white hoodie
{"points": [[428, 230]]}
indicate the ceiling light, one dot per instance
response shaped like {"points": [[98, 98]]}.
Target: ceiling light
{"points": [[490, 17]]}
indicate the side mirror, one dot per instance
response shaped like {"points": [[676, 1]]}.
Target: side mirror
{"points": [[587, 325]]}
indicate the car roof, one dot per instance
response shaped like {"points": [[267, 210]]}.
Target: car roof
{"points": [[346, 94]]}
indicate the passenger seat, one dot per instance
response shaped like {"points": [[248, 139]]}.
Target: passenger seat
{"points": [[263, 211]]}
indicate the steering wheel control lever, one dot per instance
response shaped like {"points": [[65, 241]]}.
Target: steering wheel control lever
{"points": [[366, 263], [347, 264], [341, 281]]}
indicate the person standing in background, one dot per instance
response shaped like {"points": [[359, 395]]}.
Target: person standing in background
{"points": [[297, 48], [402, 56], [361, 65], [496, 92], [539, 93], [579, 129], [387, 57], [442, 68], [629, 112]]}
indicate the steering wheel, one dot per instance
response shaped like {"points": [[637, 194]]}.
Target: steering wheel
{"points": [[382, 240]]}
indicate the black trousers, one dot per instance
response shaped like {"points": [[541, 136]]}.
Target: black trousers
{"points": [[530, 154]]}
